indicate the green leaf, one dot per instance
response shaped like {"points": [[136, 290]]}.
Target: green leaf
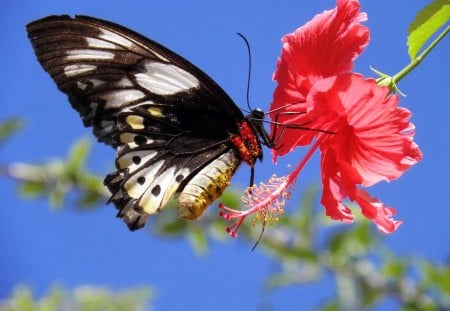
{"points": [[56, 197], [231, 198], [426, 23], [306, 221], [78, 154], [92, 191], [172, 228], [294, 273], [287, 252], [88, 199], [394, 268], [356, 240], [93, 183], [9, 127], [53, 299], [330, 305], [438, 276], [198, 239], [363, 233], [338, 241], [32, 189]]}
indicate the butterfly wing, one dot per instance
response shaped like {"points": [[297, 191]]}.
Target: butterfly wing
{"points": [[168, 120]]}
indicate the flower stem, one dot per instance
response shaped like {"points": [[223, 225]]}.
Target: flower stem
{"points": [[293, 176], [416, 61]]}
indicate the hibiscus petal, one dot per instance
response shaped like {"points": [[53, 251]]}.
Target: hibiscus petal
{"points": [[373, 135], [374, 209], [328, 44], [383, 146], [333, 192], [325, 46]]}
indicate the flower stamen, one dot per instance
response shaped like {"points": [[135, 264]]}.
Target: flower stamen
{"points": [[267, 200]]}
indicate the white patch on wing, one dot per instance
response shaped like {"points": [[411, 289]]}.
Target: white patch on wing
{"points": [[96, 82], [101, 44], [156, 112], [128, 159], [136, 122], [113, 37], [125, 82], [165, 79], [129, 139], [77, 69], [119, 98], [81, 85], [136, 189], [80, 54], [160, 191]]}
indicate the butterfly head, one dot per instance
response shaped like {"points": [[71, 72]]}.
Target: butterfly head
{"points": [[257, 114], [256, 118]]}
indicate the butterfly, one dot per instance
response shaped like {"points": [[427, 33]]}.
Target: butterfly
{"points": [[176, 132]]}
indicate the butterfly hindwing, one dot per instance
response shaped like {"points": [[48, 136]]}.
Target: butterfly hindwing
{"points": [[155, 161], [169, 121]]}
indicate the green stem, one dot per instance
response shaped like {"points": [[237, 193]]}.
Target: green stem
{"points": [[416, 61]]}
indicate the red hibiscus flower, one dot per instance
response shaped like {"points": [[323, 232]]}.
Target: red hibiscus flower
{"points": [[362, 134]]}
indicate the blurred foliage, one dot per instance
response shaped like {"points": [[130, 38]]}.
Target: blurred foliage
{"points": [[9, 127], [306, 247], [83, 298], [56, 178]]}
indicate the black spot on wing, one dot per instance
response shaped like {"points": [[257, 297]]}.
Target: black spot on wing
{"points": [[136, 159], [141, 180], [156, 190], [179, 178]]}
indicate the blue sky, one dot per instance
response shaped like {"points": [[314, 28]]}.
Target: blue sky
{"points": [[41, 247]]}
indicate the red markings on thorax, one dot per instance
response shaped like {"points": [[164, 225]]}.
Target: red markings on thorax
{"points": [[246, 143]]}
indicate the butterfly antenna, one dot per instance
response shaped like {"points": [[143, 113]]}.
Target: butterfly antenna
{"points": [[249, 68]]}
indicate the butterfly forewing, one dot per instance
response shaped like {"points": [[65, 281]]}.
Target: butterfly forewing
{"points": [[169, 121]]}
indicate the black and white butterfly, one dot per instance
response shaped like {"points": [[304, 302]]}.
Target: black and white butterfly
{"points": [[175, 130]]}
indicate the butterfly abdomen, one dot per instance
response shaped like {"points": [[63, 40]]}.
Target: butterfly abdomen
{"points": [[207, 185]]}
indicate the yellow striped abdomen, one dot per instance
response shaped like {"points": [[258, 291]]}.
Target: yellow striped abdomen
{"points": [[209, 184]]}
